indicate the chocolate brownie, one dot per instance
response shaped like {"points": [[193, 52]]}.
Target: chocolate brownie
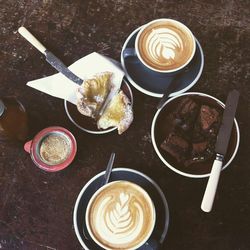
{"points": [[185, 114], [201, 151], [176, 146], [208, 116], [194, 130], [207, 124]]}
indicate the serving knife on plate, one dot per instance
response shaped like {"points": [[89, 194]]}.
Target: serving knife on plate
{"points": [[220, 149]]}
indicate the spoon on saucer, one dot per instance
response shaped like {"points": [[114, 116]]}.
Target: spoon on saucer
{"points": [[174, 84], [108, 169], [105, 180]]}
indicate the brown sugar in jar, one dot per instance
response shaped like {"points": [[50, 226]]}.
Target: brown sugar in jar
{"points": [[54, 149]]}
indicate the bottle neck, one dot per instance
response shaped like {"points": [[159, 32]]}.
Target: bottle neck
{"points": [[2, 107]]}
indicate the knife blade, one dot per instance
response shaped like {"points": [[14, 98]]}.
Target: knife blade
{"points": [[220, 149], [105, 104], [56, 63], [227, 123]]}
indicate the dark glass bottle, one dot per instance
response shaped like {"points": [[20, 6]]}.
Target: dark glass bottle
{"points": [[13, 119]]}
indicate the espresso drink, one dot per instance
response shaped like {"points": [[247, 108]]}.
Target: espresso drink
{"points": [[120, 216], [165, 45]]}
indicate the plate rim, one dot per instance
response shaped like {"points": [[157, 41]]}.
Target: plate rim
{"points": [[164, 234], [150, 93]]}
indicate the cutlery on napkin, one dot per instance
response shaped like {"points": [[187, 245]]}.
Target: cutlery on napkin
{"points": [[65, 88], [220, 149], [50, 57]]}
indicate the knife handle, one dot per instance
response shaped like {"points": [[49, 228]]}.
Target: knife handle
{"points": [[208, 198], [29, 37]]}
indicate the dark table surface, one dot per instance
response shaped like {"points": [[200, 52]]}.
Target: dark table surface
{"points": [[36, 207]]}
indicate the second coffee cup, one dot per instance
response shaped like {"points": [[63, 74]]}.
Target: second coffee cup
{"points": [[163, 46], [120, 215]]}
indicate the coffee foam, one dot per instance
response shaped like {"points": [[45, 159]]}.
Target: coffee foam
{"points": [[121, 216], [165, 45]]}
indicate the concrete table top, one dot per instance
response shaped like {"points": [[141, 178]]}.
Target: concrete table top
{"points": [[36, 207]]}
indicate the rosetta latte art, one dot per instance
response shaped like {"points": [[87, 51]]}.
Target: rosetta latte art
{"points": [[122, 219], [164, 46], [121, 216]]}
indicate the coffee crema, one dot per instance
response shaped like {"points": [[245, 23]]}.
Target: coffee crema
{"points": [[121, 216], [166, 45]]}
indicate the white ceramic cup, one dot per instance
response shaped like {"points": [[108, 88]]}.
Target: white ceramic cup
{"points": [[136, 51]]}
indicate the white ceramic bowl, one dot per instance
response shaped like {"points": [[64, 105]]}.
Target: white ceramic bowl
{"points": [[158, 137], [88, 124]]}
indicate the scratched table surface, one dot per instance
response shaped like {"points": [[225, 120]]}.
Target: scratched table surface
{"points": [[36, 207]]}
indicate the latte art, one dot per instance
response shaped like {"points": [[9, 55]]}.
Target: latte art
{"points": [[121, 217], [165, 45]]}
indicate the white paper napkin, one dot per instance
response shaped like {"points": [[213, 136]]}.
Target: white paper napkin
{"points": [[59, 86]]}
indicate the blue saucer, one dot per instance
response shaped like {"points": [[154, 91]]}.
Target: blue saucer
{"points": [[155, 84], [152, 188]]}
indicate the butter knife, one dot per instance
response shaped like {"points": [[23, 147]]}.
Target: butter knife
{"points": [[220, 149], [50, 57], [56, 63]]}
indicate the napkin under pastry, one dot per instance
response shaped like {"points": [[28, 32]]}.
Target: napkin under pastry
{"points": [[59, 86]]}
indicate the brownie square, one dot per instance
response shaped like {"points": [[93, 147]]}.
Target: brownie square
{"points": [[193, 133], [176, 146], [185, 115]]}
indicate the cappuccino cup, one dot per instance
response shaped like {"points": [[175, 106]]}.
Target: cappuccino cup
{"points": [[163, 46], [120, 215]]}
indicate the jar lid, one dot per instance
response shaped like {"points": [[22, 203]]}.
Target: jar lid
{"points": [[2, 107]]}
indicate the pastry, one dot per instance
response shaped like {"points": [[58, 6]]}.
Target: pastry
{"points": [[92, 94], [117, 114]]}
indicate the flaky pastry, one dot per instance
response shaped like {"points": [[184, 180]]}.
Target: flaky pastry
{"points": [[118, 113], [92, 94]]}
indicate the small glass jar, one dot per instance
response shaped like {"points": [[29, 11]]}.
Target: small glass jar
{"points": [[46, 145], [13, 119]]}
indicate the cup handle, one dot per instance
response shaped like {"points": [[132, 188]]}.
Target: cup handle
{"points": [[129, 52], [27, 146]]}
